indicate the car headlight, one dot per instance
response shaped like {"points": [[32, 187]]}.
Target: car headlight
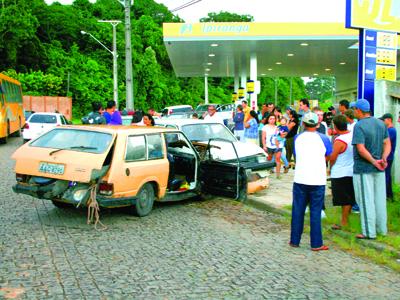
{"points": [[79, 195]]}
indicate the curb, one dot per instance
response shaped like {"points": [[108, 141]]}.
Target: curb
{"points": [[252, 201]]}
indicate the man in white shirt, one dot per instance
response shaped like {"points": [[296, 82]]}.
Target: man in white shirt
{"points": [[311, 149], [212, 115]]}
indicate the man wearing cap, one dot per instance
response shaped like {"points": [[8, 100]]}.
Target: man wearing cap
{"points": [[388, 120], [311, 150], [371, 149]]}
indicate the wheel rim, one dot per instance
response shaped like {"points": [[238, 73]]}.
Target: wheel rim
{"points": [[144, 202]]}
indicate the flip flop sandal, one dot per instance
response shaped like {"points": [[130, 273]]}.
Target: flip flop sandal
{"points": [[363, 237], [336, 227], [322, 248]]}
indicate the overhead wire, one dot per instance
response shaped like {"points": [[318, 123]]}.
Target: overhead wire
{"points": [[190, 3]]}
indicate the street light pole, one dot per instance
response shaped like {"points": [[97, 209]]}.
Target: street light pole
{"points": [[114, 53], [114, 24]]}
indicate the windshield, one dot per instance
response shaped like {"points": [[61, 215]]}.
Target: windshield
{"points": [[75, 140], [204, 132], [202, 107], [49, 119]]}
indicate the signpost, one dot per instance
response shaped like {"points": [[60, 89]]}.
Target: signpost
{"points": [[379, 23]]}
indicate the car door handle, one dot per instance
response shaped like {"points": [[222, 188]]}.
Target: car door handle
{"points": [[127, 172]]}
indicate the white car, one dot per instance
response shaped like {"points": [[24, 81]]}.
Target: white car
{"points": [[218, 148], [224, 146], [39, 123], [177, 109], [224, 111]]}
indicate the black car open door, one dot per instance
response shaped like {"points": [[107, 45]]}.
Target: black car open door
{"points": [[221, 178]]}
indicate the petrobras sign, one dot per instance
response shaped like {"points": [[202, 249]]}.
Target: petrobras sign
{"points": [[380, 15]]}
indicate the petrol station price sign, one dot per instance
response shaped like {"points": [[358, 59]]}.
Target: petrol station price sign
{"points": [[380, 55]]}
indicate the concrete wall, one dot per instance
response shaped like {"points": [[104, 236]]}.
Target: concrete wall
{"points": [[387, 100]]}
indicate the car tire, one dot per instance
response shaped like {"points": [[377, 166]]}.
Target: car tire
{"points": [[60, 204], [144, 201], [18, 133], [4, 140]]}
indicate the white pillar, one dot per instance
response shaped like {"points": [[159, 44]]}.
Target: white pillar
{"points": [[253, 76], [236, 83], [205, 89], [243, 83]]}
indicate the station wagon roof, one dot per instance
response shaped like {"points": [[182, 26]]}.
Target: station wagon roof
{"points": [[121, 128], [181, 122]]}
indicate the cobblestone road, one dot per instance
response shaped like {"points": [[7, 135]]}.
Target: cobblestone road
{"points": [[213, 249]]}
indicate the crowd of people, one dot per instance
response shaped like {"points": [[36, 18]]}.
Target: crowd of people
{"points": [[112, 116], [350, 147], [357, 157]]}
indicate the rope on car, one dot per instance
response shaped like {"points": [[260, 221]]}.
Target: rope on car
{"points": [[94, 209]]}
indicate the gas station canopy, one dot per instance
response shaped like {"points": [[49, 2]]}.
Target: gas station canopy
{"points": [[280, 49]]}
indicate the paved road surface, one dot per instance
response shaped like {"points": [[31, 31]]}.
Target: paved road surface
{"points": [[214, 249]]}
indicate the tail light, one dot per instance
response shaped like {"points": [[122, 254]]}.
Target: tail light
{"points": [[20, 177], [106, 189], [26, 126]]}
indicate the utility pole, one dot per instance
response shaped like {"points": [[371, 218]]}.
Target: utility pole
{"points": [[128, 55], [114, 24]]}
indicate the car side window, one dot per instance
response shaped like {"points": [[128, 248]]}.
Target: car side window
{"points": [[155, 148], [63, 120], [136, 148]]}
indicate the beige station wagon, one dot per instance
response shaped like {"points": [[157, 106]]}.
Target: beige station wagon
{"points": [[126, 165]]}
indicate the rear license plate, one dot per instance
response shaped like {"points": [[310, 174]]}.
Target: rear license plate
{"points": [[49, 168]]}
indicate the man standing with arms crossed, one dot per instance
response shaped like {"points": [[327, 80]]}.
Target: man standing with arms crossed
{"points": [[311, 150], [371, 149]]}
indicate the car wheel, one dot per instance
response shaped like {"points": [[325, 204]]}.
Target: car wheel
{"points": [[5, 139], [144, 201], [18, 132], [61, 204]]}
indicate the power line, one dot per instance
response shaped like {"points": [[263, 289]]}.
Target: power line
{"points": [[190, 3]]}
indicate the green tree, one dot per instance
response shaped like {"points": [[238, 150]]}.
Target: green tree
{"points": [[224, 16], [17, 34], [321, 88]]}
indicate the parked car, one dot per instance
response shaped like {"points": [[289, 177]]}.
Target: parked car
{"points": [[39, 123], [215, 142], [177, 109], [125, 165], [28, 113], [224, 111], [202, 108]]}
